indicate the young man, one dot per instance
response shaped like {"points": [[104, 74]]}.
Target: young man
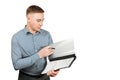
{"points": [[30, 47]]}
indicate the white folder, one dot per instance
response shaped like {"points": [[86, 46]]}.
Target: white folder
{"points": [[63, 56]]}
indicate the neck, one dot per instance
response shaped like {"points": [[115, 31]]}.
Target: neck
{"points": [[30, 29]]}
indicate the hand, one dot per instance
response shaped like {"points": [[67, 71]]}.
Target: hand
{"points": [[53, 73], [46, 51]]}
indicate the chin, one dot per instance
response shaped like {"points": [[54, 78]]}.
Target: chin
{"points": [[38, 30]]}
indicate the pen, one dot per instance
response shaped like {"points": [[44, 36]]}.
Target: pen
{"points": [[49, 48], [52, 48]]}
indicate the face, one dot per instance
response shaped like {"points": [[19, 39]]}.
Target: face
{"points": [[35, 21]]}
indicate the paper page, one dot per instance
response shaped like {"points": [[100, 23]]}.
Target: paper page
{"points": [[59, 64], [62, 48]]}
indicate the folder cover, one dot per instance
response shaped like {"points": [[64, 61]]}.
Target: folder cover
{"points": [[63, 56]]}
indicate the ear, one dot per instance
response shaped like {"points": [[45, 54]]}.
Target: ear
{"points": [[28, 18]]}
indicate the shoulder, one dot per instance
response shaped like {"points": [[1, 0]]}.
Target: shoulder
{"points": [[18, 34]]}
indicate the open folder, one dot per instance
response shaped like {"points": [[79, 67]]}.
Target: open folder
{"points": [[63, 55]]}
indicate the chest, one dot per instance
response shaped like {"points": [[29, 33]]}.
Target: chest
{"points": [[30, 45]]}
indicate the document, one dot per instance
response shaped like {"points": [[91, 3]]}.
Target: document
{"points": [[63, 56]]}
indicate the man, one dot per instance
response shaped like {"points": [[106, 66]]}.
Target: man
{"points": [[30, 47]]}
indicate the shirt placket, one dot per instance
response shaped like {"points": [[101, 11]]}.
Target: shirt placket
{"points": [[34, 44]]}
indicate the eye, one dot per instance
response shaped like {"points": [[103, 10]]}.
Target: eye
{"points": [[39, 20]]}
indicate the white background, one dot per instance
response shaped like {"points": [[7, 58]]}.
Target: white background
{"points": [[94, 25]]}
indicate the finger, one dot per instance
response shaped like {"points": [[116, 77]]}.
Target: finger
{"points": [[51, 51], [48, 47], [49, 73], [54, 72]]}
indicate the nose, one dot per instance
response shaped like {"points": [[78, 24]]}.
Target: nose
{"points": [[41, 23]]}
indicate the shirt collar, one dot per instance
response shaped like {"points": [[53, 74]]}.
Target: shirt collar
{"points": [[27, 32]]}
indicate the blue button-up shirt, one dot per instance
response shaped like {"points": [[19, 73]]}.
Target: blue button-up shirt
{"points": [[25, 47]]}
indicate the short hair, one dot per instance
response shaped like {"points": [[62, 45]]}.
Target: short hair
{"points": [[34, 9]]}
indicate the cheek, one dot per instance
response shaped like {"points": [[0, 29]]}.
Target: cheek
{"points": [[33, 23]]}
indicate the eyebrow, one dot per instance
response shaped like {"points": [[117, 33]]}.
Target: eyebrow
{"points": [[40, 19]]}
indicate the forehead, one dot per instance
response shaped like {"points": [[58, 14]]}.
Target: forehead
{"points": [[36, 15]]}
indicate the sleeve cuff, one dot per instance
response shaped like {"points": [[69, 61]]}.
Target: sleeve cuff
{"points": [[35, 57]]}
